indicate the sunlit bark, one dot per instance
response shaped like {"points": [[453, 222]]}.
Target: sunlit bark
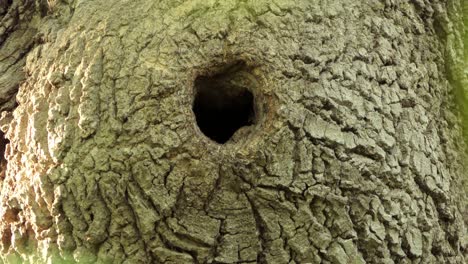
{"points": [[349, 146]]}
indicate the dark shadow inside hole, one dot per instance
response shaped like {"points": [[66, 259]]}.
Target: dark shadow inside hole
{"points": [[223, 103]]}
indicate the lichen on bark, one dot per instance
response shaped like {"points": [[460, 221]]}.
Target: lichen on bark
{"points": [[357, 155]]}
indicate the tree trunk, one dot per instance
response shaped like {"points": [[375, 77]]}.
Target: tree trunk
{"points": [[208, 131]]}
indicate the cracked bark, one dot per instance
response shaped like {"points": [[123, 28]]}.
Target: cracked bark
{"points": [[356, 154]]}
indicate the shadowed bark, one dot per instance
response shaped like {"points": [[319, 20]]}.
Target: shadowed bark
{"points": [[347, 145]]}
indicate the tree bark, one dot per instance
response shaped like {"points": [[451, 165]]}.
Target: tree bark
{"points": [[355, 153]]}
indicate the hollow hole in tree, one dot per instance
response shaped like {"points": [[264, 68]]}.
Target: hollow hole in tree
{"points": [[224, 102]]}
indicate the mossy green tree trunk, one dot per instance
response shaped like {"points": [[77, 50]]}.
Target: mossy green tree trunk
{"points": [[355, 153]]}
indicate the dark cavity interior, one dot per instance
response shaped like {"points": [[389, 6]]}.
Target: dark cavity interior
{"points": [[224, 103]]}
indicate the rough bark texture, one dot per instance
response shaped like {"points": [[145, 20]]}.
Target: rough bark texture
{"points": [[356, 155]]}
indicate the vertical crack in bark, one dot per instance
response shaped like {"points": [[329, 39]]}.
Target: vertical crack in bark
{"points": [[136, 219], [172, 246], [3, 162], [261, 229]]}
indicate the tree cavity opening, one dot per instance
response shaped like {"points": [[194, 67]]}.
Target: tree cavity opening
{"points": [[224, 102]]}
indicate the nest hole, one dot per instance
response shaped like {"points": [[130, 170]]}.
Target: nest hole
{"points": [[224, 102]]}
